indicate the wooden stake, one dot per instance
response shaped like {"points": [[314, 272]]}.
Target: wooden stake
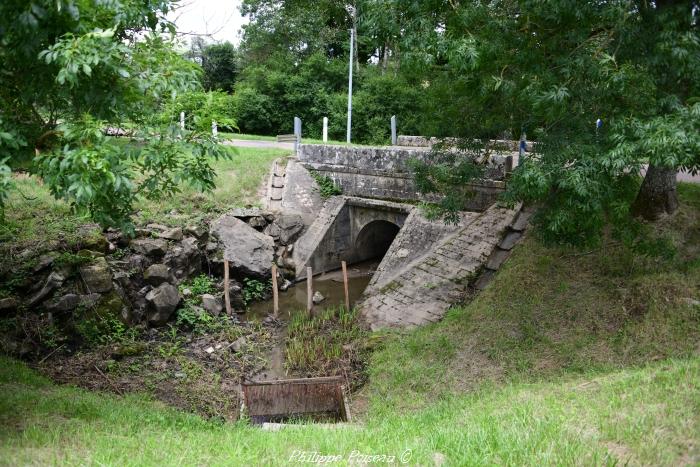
{"points": [[309, 289], [345, 284], [227, 296], [275, 292]]}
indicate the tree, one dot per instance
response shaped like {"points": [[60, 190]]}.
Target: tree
{"points": [[550, 69], [220, 68], [71, 69]]}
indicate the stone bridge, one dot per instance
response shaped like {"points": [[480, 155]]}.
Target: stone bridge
{"points": [[426, 265], [349, 229]]}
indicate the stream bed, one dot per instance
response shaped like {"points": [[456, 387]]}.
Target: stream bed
{"points": [[292, 301]]}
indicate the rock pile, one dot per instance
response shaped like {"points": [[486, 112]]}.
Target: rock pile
{"points": [[137, 279]]}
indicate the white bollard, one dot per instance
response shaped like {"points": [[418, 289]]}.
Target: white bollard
{"points": [[394, 140], [182, 120], [297, 133], [325, 129], [214, 129]]}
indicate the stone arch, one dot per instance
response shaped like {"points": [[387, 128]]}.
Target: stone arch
{"points": [[375, 238]]}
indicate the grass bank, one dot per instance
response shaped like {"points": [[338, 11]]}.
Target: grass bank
{"points": [[568, 358], [646, 415], [35, 219]]}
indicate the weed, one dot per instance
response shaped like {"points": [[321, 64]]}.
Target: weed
{"points": [[316, 343], [68, 259], [170, 349], [96, 329], [192, 316], [200, 285], [254, 290], [326, 186]]}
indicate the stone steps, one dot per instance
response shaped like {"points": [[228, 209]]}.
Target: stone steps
{"points": [[276, 185]]}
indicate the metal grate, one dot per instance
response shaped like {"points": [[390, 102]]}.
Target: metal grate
{"points": [[313, 399]]}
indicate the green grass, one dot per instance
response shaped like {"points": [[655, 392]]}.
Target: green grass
{"points": [[567, 358], [645, 415], [237, 183], [34, 219]]}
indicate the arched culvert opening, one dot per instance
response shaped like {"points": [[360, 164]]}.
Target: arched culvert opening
{"points": [[374, 239]]}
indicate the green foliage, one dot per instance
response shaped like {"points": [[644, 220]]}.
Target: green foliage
{"points": [[316, 343], [254, 111], [201, 108], [191, 316], [254, 290], [219, 66], [70, 260], [100, 329], [550, 69], [326, 186], [200, 285], [448, 173], [104, 178], [95, 65]]}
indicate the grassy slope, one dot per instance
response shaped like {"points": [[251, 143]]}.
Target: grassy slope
{"points": [[35, 219], [567, 358], [647, 415]]}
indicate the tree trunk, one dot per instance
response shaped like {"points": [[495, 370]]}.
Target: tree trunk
{"points": [[657, 196]]}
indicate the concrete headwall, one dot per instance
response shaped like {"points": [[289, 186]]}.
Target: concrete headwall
{"points": [[333, 237], [384, 173]]}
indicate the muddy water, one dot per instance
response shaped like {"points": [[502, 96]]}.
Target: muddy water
{"points": [[330, 285]]}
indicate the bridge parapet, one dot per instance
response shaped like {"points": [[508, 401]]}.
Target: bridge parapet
{"points": [[385, 173]]}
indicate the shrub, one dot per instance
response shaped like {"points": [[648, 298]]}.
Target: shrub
{"points": [[201, 108]]}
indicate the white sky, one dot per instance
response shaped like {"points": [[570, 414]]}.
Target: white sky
{"points": [[220, 18]]}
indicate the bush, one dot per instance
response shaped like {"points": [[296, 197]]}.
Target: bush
{"points": [[201, 108], [253, 111]]}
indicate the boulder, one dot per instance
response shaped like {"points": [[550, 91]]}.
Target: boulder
{"points": [[66, 303], [249, 252], [235, 293], [290, 226], [114, 304], [197, 231], [212, 304], [90, 300], [162, 302], [174, 234], [45, 261], [150, 246], [54, 281], [238, 344], [91, 237], [246, 213], [184, 259], [158, 274], [97, 276], [136, 262]]}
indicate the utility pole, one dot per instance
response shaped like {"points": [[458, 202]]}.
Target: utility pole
{"points": [[352, 56]]}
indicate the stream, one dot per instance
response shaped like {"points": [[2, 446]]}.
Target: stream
{"points": [[330, 285]]}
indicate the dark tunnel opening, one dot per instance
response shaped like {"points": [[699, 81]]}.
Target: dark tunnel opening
{"points": [[375, 238]]}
